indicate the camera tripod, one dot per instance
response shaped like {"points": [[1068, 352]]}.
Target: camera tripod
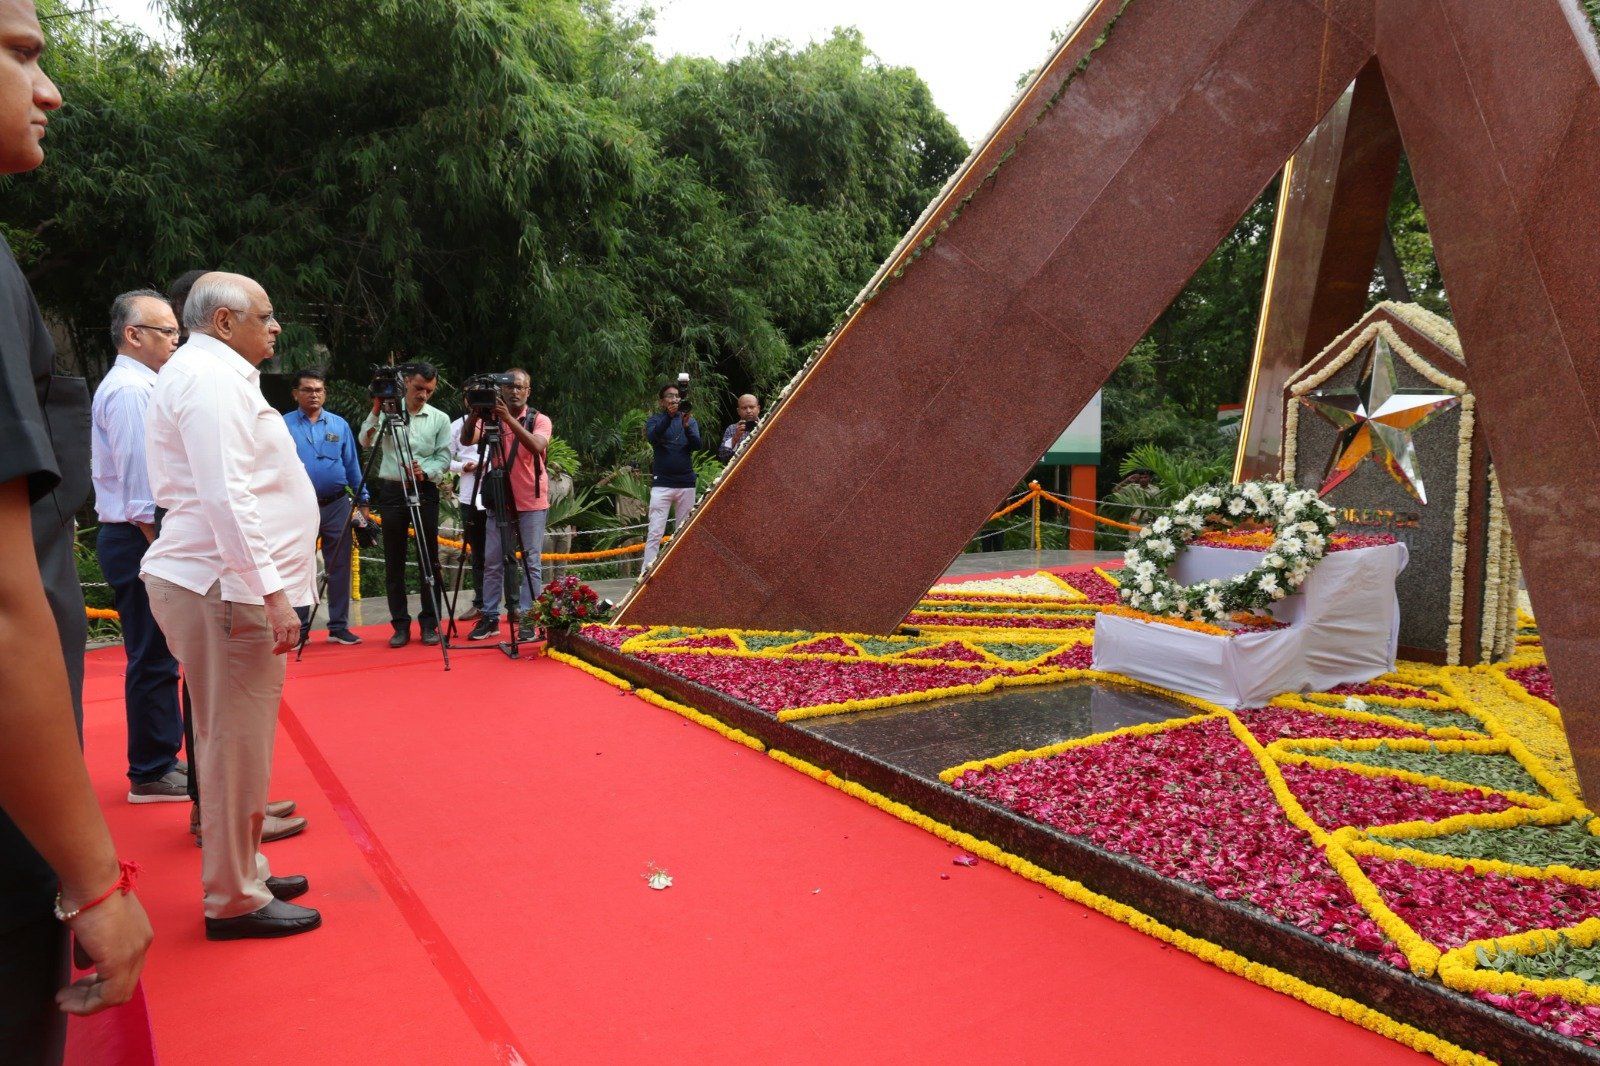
{"points": [[393, 429], [492, 472]]}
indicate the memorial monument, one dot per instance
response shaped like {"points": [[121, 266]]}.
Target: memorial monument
{"points": [[1381, 424]]}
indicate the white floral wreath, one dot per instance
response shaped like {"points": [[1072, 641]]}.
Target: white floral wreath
{"points": [[1301, 524]]}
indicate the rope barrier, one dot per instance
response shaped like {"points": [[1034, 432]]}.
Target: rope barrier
{"points": [[1059, 502], [1033, 496], [551, 557]]}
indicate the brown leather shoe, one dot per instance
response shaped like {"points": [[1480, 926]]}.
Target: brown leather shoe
{"points": [[272, 829], [275, 809]]}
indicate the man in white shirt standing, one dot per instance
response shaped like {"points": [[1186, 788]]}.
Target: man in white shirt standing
{"points": [[233, 561], [464, 461], [146, 334]]}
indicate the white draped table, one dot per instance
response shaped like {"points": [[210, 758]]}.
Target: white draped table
{"points": [[1343, 626]]}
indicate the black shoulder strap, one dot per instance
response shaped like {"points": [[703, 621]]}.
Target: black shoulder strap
{"points": [[528, 420]]}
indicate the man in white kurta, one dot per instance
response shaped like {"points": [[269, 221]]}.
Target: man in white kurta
{"points": [[233, 560]]}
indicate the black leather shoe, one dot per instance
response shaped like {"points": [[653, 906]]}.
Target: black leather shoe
{"points": [[288, 887], [402, 637], [430, 634], [275, 919]]}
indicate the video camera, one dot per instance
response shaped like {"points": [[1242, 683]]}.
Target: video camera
{"points": [[389, 382], [481, 391]]}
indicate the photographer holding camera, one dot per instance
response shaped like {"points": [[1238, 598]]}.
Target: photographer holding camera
{"points": [[749, 411], [520, 484], [674, 437], [428, 430]]}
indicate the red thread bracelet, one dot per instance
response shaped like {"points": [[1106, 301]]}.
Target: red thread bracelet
{"points": [[124, 884]]}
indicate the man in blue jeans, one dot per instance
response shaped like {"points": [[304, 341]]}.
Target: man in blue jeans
{"points": [[145, 333], [327, 449], [522, 486]]}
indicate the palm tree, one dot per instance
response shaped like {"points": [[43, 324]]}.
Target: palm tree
{"points": [[1154, 479]]}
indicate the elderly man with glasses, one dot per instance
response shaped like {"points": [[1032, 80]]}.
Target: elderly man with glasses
{"points": [[145, 333], [234, 559]]}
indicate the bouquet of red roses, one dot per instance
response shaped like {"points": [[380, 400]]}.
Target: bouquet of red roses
{"points": [[564, 605]]}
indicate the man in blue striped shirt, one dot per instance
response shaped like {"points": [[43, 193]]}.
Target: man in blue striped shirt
{"points": [[327, 448]]}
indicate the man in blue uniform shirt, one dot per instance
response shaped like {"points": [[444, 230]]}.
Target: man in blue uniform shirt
{"points": [[327, 448]]}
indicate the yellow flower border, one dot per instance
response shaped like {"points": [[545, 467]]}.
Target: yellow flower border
{"points": [[1207, 711], [738, 736], [1459, 967]]}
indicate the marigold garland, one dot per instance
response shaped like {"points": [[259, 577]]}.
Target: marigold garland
{"points": [[738, 736]]}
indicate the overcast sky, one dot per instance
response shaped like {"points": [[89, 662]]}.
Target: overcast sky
{"points": [[970, 57]]}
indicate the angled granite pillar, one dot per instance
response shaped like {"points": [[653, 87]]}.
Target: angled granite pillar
{"points": [[1331, 213], [1501, 119], [942, 391]]}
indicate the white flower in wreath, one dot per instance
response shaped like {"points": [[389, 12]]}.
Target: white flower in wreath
{"points": [[1268, 583], [1161, 525], [1351, 703], [1144, 569], [1236, 506], [1280, 495], [1274, 560], [1213, 602], [1290, 545], [1156, 602], [1306, 527], [1147, 586], [1316, 544]]}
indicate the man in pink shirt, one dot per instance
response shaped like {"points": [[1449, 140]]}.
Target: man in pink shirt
{"points": [[525, 434]]}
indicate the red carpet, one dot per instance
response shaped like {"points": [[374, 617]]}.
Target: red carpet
{"points": [[478, 846]]}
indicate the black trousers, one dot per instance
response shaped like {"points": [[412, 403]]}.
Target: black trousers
{"points": [[474, 527], [396, 548], [33, 966]]}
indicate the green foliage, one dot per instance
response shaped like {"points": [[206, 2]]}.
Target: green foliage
{"points": [[96, 593], [482, 184], [707, 468], [1155, 479], [563, 455], [1568, 844], [1413, 245], [582, 508], [1562, 960], [1492, 771]]}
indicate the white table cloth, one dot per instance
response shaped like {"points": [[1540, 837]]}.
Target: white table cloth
{"points": [[1343, 627]]}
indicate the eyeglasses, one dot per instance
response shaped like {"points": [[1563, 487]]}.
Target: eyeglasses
{"points": [[264, 316], [165, 331]]}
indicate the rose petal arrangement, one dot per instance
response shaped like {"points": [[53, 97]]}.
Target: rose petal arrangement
{"points": [[1428, 817]]}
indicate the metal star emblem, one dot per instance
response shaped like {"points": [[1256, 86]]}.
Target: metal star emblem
{"points": [[1377, 419]]}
